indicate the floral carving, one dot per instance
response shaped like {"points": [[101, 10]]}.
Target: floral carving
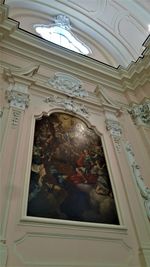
{"points": [[144, 190], [17, 99], [140, 113], [113, 126]]}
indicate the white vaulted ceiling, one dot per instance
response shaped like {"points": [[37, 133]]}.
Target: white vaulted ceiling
{"points": [[115, 30]]}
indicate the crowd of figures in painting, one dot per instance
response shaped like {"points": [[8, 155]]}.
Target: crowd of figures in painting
{"points": [[69, 178]]}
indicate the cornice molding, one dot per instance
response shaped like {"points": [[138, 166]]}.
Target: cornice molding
{"points": [[21, 78], [52, 57], [21, 43], [136, 74]]}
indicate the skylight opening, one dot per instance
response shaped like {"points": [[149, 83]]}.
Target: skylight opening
{"points": [[60, 33]]}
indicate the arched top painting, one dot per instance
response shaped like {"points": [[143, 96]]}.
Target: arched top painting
{"points": [[69, 178]]}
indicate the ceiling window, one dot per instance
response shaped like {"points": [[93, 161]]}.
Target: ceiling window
{"points": [[60, 33]]}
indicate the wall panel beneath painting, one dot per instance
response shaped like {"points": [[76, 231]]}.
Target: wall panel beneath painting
{"points": [[69, 250]]}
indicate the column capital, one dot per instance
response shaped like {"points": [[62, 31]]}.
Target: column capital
{"points": [[17, 99]]}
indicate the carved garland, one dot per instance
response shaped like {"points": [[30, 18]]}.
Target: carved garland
{"points": [[113, 126], [145, 191]]}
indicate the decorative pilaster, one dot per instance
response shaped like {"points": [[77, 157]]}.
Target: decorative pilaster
{"points": [[17, 96], [18, 101], [111, 111], [144, 190], [114, 127]]}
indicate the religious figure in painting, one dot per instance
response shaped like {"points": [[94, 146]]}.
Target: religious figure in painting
{"points": [[69, 178]]}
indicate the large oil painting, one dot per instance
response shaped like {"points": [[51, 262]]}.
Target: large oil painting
{"points": [[69, 179]]}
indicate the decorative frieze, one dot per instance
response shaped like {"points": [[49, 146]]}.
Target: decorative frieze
{"points": [[68, 84], [114, 127], [140, 113], [68, 104], [144, 190]]}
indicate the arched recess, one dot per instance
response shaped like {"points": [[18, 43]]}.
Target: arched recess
{"points": [[69, 178]]}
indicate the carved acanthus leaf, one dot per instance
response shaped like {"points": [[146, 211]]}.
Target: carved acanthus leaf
{"points": [[1, 112], [17, 99]]}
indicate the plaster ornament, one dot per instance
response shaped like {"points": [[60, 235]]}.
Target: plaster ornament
{"points": [[113, 126], [145, 191], [68, 104], [16, 113], [140, 113], [68, 84], [17, 99]]}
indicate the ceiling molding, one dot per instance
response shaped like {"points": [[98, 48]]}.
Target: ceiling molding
{"points": [[114, 30], [39, 52]]}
